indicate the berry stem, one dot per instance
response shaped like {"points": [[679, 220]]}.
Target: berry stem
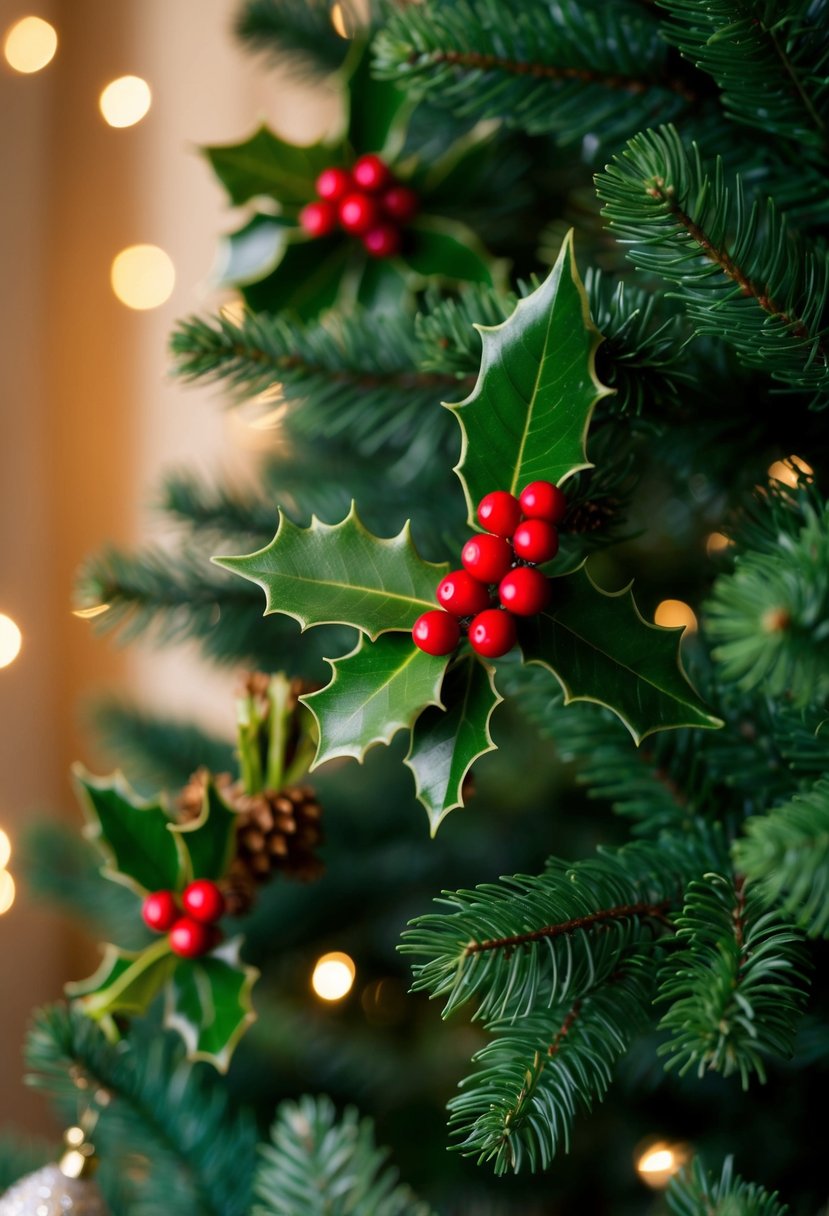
{"points": [[247, 734], [279, 693]]}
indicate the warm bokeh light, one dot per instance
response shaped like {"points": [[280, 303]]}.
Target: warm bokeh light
{"points": [[89, 614], [657, 1162], [143, 276], [781, 470], [6, 891], [675, 613], [5, 849], [30, 44], [125, 101], [233, 311], [333, 976], [717, 542], [340, 22], [11, 639]]}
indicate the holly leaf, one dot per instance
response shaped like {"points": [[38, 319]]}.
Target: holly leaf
{"points": [[445, 249], [527, 416], [342, 574], [133, 835], [267, 165], [209, 1003], [126, 982], [377, 110], [447, 742], [210, 840], [309, 277], [601, 649], [375, 691], [252, 253]]}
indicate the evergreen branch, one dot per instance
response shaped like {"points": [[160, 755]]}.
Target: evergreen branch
{"points": [[737, 989], [786, 854], [570, 69], [158, 752], [448, 343], [218, 511], [179, 1118], [738, 269], [300, 36], [529, 943], [770, 60], [538, 1072], [694, 1192], [19, 1157], [318, 1163]]}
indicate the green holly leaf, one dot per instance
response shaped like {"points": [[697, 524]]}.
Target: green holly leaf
{"points": [[209, 1004], [375, 691], [133, 835], [341, 574], [209, 841], [446, 249], [126, 982], [252, 253], [527, 416], [267, 165], [600, 649], [447, 742], [377, 110], [309, 277]]}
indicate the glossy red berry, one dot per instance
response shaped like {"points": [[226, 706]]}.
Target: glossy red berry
{"points": [[318, 219], [499, 512], [358, 213], [492, 633], [400, 203], [203, 901], [524, 591], [436, 632], [535, 540], [334, 184], [160, 910], [190, 938], [371, 173], [382, 241], [543, 500], [487, 558], [461, 594]]}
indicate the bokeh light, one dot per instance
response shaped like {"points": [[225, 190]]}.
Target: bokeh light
{"points": [[11, 639], [125, 101], [717, 542], [781, 470], [5, 849], [30, 44], [675, 613], [657, 1162], [7, 891], [143, 276], [333, 976]]}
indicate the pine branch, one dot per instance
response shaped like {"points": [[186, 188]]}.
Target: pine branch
{"points": [[201, 1151], [299, 36], [739, 271], [737, 989], [694, 1192], [318, 1163], [538, 1072], [570, 69], [786, 854], [159, 753]]}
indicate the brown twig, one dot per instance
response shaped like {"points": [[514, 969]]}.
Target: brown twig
{"points": [[549, 932]]}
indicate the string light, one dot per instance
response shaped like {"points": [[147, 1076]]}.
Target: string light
{"points": [[5, 849], [7, 891], [333, 976], [717, 542], [675, 613], [125, 101], [89, 614], [11, 639], [143, 276], [782, 470], [657, 1162], [30, 44]]}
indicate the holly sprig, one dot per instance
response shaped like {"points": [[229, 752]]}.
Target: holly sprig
{"points": [[526, 420]]}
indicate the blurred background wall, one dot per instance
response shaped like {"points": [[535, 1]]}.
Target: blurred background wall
{"points": [[89, 416]]}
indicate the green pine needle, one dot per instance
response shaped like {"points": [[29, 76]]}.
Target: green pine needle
{"points": [[694, 1192]]}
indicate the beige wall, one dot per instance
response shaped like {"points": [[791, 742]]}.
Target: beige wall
{"points": [[89, 417]]}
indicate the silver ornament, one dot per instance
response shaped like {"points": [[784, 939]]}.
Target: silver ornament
{"points": [[65, 1189]]}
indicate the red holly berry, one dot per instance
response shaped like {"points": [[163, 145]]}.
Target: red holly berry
{"points": [[487, 558], [203, 901], [382, 241], [499, 512], [524, 591], [371, 173], [543, 500], [436, 632], [400, 203], [492, 633], [358, 213], [535, 540], [159, 911], [318, 219], [334, 184], [461, 594], [190, 938]]}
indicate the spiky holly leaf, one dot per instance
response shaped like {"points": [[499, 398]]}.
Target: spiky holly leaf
{"points": [[527, 416], [446, 249], [601, 649], [308, 277], [133, 835], [447, 742], [209, 840], [267, 165], [341, 574], [209, 1003], [126, 982], [375, 691]]}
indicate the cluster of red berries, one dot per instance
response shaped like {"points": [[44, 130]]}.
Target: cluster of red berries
{"points": [[367, 202], [520, 534], [191, 927]]}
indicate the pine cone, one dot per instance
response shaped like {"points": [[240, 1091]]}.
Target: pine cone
{"points": [[592, 515]]}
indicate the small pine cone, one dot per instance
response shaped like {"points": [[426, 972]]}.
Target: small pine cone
{"points": [[191, 799], [592, 515], [239, 889], [278, 833]]}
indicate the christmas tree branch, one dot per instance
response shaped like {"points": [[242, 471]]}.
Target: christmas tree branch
{"points": [[300, 36], [694, 1192]]}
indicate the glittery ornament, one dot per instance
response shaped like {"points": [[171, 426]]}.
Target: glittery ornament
{"points": [[65, 1189]]}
